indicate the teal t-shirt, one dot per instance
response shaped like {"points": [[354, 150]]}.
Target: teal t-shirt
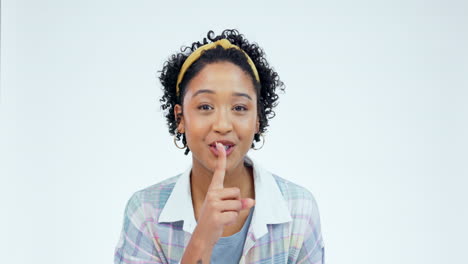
{"points": [[229, 249]]}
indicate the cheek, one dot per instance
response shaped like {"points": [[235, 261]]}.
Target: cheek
{"points": [[247, 127], [195, 125]]}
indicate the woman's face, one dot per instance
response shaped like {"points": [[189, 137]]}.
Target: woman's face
{"points": [[220, 104]]}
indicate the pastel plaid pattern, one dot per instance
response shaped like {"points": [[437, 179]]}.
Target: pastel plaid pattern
{"points": [[144, 240]]}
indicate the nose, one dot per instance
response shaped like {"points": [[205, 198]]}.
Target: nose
{"points": [[223, 122]]}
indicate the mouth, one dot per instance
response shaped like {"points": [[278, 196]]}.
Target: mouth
{"points": [[229, 147]]}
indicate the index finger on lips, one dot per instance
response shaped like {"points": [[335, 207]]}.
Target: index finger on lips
{"points": [[217, 182]]}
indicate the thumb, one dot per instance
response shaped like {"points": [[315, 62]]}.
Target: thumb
{"points": [[247, 203]]}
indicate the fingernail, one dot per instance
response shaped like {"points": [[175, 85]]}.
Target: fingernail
{"points": [[220, 145]]}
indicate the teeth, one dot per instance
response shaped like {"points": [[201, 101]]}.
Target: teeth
{"points": [[226, 147]]}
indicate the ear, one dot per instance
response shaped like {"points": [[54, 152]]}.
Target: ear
{"points": [[179, 118]]}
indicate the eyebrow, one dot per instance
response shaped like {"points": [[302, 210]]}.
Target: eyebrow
{"points": [[213, 92]]}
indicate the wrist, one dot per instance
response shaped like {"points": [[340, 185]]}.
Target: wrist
{"points": [[198, 248], [201, 242]]}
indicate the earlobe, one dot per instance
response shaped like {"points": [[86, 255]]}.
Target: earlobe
{"points": [[179, 118]]}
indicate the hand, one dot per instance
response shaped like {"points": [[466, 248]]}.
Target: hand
{"points": [[221, 206]]}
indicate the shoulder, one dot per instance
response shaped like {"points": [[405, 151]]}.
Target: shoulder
{"points": [[154, 196], [301, 201]]}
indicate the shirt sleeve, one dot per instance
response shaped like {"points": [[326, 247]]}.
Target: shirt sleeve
{"points": [[136, 243], [312, 249]]}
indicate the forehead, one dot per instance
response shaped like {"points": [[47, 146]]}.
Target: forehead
{"points": [[223, 79]]}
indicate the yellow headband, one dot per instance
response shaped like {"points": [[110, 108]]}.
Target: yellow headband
{"points": [[197, 53]]}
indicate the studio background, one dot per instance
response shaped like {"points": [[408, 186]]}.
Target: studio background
{"points": [[373, 122]]}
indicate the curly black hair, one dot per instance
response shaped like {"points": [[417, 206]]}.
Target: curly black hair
{"points": [[266, 89]]}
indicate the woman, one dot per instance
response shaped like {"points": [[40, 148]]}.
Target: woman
{"points": [[225, 208]]}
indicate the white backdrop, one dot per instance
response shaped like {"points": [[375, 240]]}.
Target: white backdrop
{"points": [[374, 121]]}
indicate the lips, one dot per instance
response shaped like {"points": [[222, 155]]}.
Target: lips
{"points": [[228, 146], [225, 143]]}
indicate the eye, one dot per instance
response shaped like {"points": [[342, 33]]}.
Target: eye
{"points": [[240, 108], [204, 107]]}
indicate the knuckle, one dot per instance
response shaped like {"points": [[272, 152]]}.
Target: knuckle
{"points": [[234, 216], [238, 205], [236, 190], [230, 217]]}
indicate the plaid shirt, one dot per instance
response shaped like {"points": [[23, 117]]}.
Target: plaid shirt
{"points": [[285, 226]]}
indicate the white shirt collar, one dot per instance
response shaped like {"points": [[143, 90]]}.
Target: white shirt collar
{"points": [[270, 205]]}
